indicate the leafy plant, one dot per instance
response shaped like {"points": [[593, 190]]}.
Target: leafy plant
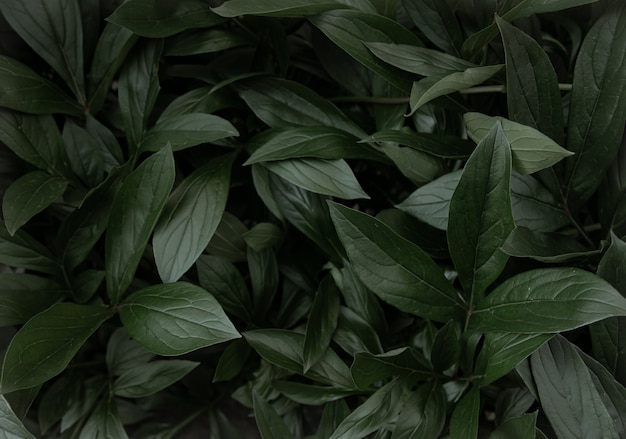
{"points": [[387, 219]]}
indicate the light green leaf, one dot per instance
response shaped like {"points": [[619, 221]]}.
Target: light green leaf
{"points": [[370, 368], [154, 19], [46, 344], [22, 250], [466, 415], [276, 8], [53, 29], [480, 215], [546, 301], [437, 21], [532, 150], [396, 270], [146, 379], [190, 218], [187, 130], [451, 147], [10, 425], [321, 323], [29, 195], [134, 215], [104, 421], [24, 90], [174, 319], [269, 422], [424, 413], [326, 177], [23, 295]]}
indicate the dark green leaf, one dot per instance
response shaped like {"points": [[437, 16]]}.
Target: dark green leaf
{"points": [[207, 41], [174, 319], [354, 334], [480, 215], [533, 95], [138, 89], [263, 236], [568, 394], [308, 394], [104, 421], [21, 401], [405, 362], [417, 166], [22, 250], [352, 30], [598, 107], [10, 424], [424, 413], [513, 402], [154, 19], [106, 142], [543, 246], [446, 347], [547, 301], [86, 284], [86, 158], [53, 29], [612, 195], [124, 354], [199, 100], [134, 215], [45, 345], [276, 8], [321, 323], [190, 218], [268, 421], [264, 277], [23, 295], [534, 206], [333, 414], [440, 146], [437, 21], [232, 360], [521, 427], [29, 195], [532, 150], [466, 415], [146, 379], [227, 240], [24, 90]]}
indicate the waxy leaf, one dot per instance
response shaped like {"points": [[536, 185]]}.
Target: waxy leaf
{"points": [[154, 19], [598, 107], [354, 334], [369, 368], [190, 217], [269, 422], [24, 90], [534, 206], [437, 21], [134, 215], [532, 150], [23, 295], [424, 413], [276, 8], [520, 427], [547, 300], [466, 415], [10, 424], [187, 130], [146, 379], [435, 86], [104, 421], [440, 146], [543, 246], [480, 215], [396, 270], [53, 29], [29, 195], [45, 345], [415, 165], [173, 319]]}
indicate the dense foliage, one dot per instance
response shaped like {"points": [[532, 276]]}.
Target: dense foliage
{"points": [[345, 218]]}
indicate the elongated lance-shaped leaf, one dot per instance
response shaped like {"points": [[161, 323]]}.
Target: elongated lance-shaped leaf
{"points": [[466, 415], [134, 215], [396, 270], [22, 295], [424, 413], [104, 421], [445, 146], [10, 424], [45, 345], [147, 379], [533, 96], [548, 300], [24, 251], [268, 421], [598, 107], [53, 28], [437, 21], [480, 215], [276, 8]]}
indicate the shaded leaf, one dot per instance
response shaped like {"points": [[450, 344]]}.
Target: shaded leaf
{"points": [[534, 206], [86, 158], [10, 424], [104, 421], [106, 142], [321, 323], [437, 21], [22, 250], [446, 347], [450, 147], [269, 423], [309, 394], [354, 334], [227, 241], [23, 295], [263, 236], [369, 368], [232, 360], [124, 354], [207, 41], [146, 379], [417, 166], [276, 8], [465, 417], [521, 427], [424, 413], [543, 246], [512, 403]]}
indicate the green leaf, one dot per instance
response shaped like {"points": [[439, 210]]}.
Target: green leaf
{"points": [[321, 323], [404, 362], [153, 19], [10, 424], [376, 412], [543, 246], [263, 236], [199, 100], [23, 295], [146, 379], [546, 301], [418, 60], [283, 103], [45, 345], [503, 351], [138, 89], [29, 195], [424, 413], [276, 8], [53, 29], [417, 166], [450, 147], [24, 90], [480, 215], [432, 87], [568, 394], [612, 196], [124, 354], [174, 319], [106, 142], [207, 41], [22, 250], [446, 347], [134, 215], [284, 349], [521, 427], [534, 206], [513, 402], [104, 421], [308, 394], [466, 415], [354, 334], [224, 281], [532, 150], [396, 270], [437, 21], [84, 400], [598, 107], [326, 177], [353, 30], [332, 415], [232, 361], [187, 130], [533, 96], [269, 423], [227, 240], [190, 218], [309, 142], [86, 158]]}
